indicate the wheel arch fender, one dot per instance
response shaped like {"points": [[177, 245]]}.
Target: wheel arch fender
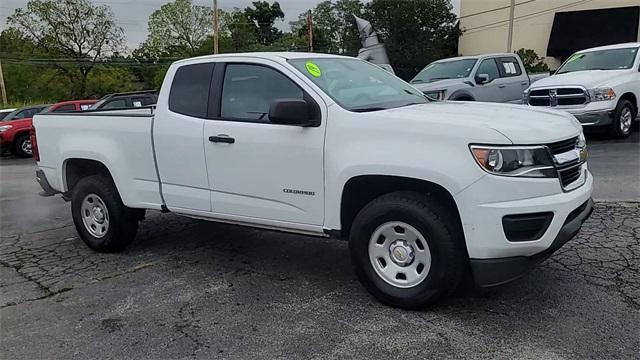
{"points": [[462, 94]]}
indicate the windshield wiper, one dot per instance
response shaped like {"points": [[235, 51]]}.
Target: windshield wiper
{"points": [[416, 81], [438, 78], [368, 109]]}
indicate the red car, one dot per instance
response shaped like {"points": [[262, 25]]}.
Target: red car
{"points": [[14, 128]]}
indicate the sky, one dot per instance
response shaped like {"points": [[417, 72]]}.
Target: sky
{"points": [[132, 15]]}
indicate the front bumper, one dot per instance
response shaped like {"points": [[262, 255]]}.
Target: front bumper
{"points": [[493, 272], [598, 118]]}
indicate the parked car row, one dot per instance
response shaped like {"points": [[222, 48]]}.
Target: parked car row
{"points": [[15, 124], [599, 86]]}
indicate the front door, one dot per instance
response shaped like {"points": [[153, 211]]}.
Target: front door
{"points": [[256, 168], [494, 89]]}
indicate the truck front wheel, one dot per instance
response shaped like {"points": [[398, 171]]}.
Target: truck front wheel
{"points": [[623, 117], [406, 250], [103, 222]]}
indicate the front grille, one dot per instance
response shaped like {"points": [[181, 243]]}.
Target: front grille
{"points": [[558, 97], [569, 172], [563, 146]]}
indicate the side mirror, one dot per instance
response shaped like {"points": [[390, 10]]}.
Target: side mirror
{"points": [[289, 112], [482, 79]]}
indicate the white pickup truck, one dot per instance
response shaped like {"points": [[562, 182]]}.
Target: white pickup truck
{"points": [[599, 86], [426, 192]]}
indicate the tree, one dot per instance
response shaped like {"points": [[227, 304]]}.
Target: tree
{"points": [[239, 33], [265, 15], [178, 29], [415, 32], [532, 62], [334, 27], [73, 29]]}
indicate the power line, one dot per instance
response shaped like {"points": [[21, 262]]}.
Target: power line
{"points": [[492, 10], [523, 17]]}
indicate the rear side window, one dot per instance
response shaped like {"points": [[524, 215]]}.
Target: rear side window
{"points": [[190, 90], [509, 67], [115, 104]]}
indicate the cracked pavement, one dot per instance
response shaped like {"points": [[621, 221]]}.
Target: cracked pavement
{"points": [[192, 289]]}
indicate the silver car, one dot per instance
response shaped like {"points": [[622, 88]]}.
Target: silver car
{"points": [[491, 77]]}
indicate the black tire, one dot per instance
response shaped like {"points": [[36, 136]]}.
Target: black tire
{"points": [[443, 235], [616, 130], [122, 221], [19, 146], [463, 98]]}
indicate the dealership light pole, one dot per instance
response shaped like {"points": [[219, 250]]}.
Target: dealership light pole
{"points": [[216, 26], [510, 38], [3, 90]]}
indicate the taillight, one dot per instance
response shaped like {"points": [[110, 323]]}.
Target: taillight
{"points": [[34, 143]]}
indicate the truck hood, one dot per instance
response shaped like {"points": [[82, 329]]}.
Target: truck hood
{"points": [[589, 79], [438, 85], [521, 125]]}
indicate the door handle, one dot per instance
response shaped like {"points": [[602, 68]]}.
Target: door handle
{"points": [[222, 138], [502, 86], [524, 83]]}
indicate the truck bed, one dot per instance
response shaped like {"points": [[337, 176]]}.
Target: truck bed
{"points": [[120, 139]]}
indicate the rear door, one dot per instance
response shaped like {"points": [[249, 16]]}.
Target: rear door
{"points": [[265, 171], [178, 138], [513, 78]]}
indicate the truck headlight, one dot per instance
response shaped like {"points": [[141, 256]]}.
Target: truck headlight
{"points": [[522, 161], [438, 95], [4, 128], [603, 94], [525, 97]]}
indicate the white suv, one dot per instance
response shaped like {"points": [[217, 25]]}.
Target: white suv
{"points": [[599, 86]]}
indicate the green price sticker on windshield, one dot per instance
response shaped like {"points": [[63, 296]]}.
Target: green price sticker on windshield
{"points": [[313, 69]]}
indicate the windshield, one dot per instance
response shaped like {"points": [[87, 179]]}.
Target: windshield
{"points": [[445, 70], [357, 85], [614, 59]]}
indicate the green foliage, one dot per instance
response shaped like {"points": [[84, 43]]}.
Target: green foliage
{"points": [[532, 62], [334, 27], [264, 16], [178, 29], [65, 49], [75, 31], [415, 32]]}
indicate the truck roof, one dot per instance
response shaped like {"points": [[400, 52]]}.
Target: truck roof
{"points": [[268, 55], [475, 56], [611, 47]]}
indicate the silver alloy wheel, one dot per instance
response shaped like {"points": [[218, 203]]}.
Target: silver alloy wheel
{"points": [[625, 120], [399, 254], [26, 146], [95, 215]]}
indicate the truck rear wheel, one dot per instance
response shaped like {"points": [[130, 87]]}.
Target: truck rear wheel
{"points": [[103, 222], [406, 251]]}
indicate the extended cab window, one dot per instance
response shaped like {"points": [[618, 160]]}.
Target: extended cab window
{"points": [[509, 67], [489, 67], [190, 90], [249, 90]]}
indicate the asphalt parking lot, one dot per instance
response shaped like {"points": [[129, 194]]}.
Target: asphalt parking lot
{"points": [[193, 289]]}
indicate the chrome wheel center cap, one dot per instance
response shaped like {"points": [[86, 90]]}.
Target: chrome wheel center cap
{"points": [[98, 215], [401, 253]]}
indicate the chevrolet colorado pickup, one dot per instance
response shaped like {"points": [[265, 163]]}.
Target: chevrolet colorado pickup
{"points": [[599, 86], [490, 78], [427, 193]]}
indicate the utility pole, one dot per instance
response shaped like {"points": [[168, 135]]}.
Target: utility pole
{"points": [[216, 26], [3, 90], [310, 30], [511, 13]]}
